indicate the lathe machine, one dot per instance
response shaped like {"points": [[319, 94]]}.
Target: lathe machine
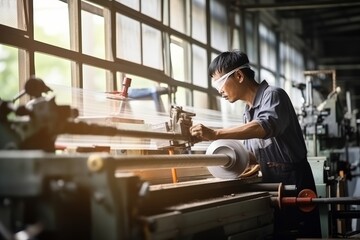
{"points": [[50, 192]]}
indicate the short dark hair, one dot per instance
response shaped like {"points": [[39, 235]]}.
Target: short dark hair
{"points": [[228, 61]]}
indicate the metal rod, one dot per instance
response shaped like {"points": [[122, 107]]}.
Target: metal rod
{"points": [[84, 128], [309, 200], [339, 200], [345, 214], [164, 161], [272, 187]]}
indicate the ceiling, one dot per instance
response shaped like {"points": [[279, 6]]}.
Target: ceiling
{"points": [[331, 30]]}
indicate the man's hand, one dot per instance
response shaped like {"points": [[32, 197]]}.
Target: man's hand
{"points": [[202, 133], [252, 159]]}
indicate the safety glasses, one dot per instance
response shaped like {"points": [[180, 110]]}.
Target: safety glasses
{"points": [[219, 83]]}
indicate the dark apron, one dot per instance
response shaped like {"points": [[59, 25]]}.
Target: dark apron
{"points": [[290, 222]]}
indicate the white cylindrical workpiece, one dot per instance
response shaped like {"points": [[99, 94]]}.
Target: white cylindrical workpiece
{"points": [[238, 154]]}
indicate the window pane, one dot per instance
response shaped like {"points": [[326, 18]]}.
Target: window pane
{"points": [[177, 15], [136, 81], [200, 100], [152, 48], [51, 22], [9, 72], [268, 76], [177, 55], [219, 34], [94, 85], [54, 71], [93, 33], [152, 8], [198, 20], [267, 47], [94, 78], [237, 33], [166, 12], [251, 46], [236, 108], [183, 97], [236, 39], [130, 3], [200, 68], [282, 57], [128, 39], [145, 94], [263, 46], [272, 50], [8, 13]]}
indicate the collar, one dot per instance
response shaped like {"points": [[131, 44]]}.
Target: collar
{"points": [[259, 94]]}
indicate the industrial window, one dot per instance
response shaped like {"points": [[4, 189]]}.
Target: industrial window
{"points": [[51, 22], [131, 3], [198, 20], [128, 39], [180, 96], [152, 43], [291, 64], [268, 76], [236, 32], [219, 29], [200, 99], [9, 72], [54, 70], [151, 8], [12, 14], [179, 15], [93, 30], [267, 48], [92, 45], [251, 39], [95, 78], [199, 66]]}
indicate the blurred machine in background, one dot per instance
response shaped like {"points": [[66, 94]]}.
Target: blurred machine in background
{"points": [[331, 131], [65, 175]]}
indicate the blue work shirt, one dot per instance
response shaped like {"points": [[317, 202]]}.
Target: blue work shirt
{"points": [[282, 156], [283, 148]]}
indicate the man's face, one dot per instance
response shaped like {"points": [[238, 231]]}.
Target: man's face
{"points": [[227, 85], [220, 80]]}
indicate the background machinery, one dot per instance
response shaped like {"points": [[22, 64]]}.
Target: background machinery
{"points": [[331, 133]]}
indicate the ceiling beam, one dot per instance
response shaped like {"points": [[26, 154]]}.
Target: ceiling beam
{"points": [[339, 60], [340, 66], [299, 5], [351, 28]]}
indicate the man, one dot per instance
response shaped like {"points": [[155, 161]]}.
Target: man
{"points": [[272, 135]]}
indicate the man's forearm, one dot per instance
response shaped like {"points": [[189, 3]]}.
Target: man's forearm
{"points": [[249, 130]]}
